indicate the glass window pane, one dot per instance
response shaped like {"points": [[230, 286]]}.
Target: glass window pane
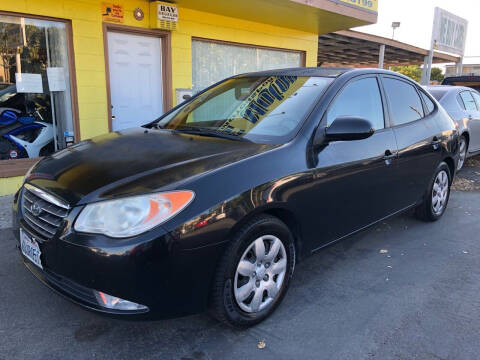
{"points": [[35, 101], [261, 109], [360, 98], [405, 104], [477, 98], [212, 62], [468, 101]]}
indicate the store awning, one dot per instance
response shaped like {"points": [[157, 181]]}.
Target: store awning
{"points": [[353, 48], [316, 16]]}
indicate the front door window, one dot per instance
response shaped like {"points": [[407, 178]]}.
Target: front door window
{"points": [[360, 98]]}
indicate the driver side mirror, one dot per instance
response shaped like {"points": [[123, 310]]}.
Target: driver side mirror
{"points": [[345, 128]]}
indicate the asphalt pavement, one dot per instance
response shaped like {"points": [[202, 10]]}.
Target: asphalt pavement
{"points": [[401, 290]]}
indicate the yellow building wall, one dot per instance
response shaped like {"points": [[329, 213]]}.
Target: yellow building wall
{"points": [[90, 58], [10, 185]]}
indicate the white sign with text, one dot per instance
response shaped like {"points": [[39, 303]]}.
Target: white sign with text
{"points": [[56, 78], [167, 12], [449, 32], [28, 83]]}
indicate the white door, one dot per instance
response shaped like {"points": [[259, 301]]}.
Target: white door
{"points": [[135, 66]]}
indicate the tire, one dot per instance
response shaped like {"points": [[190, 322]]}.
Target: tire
{"points": [[462, 152], [265, 285], [436, 198]]}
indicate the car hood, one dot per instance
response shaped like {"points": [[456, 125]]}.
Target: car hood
{"points": [[135, 162]]}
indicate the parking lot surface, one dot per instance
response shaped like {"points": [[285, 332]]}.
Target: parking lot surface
{"points": [[401, 290]]}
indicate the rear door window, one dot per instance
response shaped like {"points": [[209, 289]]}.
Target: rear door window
{"points": [[405, 103], [468, 101], [477, 99], [359, 98]]}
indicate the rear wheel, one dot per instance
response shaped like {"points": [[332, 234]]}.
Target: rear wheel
{"points": [[254, 274], [436, 198], [462, 152]]}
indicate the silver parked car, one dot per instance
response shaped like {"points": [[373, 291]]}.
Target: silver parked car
{"points": [[463, 105]]}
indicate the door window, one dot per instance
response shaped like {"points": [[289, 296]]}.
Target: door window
{"points": [[477, 99], [360, 98], [405, 104], [468, 102]]}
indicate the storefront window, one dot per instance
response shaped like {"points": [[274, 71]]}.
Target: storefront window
{"points": [[213, 61], [35, 101]]}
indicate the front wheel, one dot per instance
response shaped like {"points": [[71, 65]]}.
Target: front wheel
{"points": [[436, 199], [254, 274]]}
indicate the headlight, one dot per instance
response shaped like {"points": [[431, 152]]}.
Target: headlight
{"points": [[132, 215]]}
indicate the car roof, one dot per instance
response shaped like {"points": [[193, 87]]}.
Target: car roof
{"points": [[473, 78], [332, 72], [447, 88]]}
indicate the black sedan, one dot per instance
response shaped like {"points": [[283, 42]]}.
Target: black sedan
{"points": [[212, 205]]}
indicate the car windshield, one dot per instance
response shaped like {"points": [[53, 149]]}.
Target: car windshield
{"points": [[262, 109]]}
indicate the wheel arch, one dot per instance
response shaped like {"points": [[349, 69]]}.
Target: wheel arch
{"points": [[451, 166], [282, 213], [466, 135]]}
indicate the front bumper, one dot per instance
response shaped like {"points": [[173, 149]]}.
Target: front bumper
{"points": [[150, 269], [77, 293]]}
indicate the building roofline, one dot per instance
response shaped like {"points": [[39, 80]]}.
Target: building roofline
{"points": [[397, 44], [354, 48]]}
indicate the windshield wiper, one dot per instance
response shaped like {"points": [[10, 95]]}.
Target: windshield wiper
{"points": [[210, 132]]}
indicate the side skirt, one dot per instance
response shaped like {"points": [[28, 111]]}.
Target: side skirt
{"points": [[472, 153], [364, 228]]}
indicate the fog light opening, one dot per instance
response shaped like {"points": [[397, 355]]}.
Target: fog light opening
{"points": [[116, 303]]}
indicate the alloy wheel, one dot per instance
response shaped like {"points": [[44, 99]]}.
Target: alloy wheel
{"points": [[462, 154], [260, 274], [440, 192]]}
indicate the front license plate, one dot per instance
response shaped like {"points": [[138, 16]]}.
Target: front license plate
{"points": [[30, 248]]}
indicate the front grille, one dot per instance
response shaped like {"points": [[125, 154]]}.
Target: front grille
{"points": [[43, 212]]}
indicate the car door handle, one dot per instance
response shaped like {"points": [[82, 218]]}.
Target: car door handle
{"points": [[389, 156]]}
